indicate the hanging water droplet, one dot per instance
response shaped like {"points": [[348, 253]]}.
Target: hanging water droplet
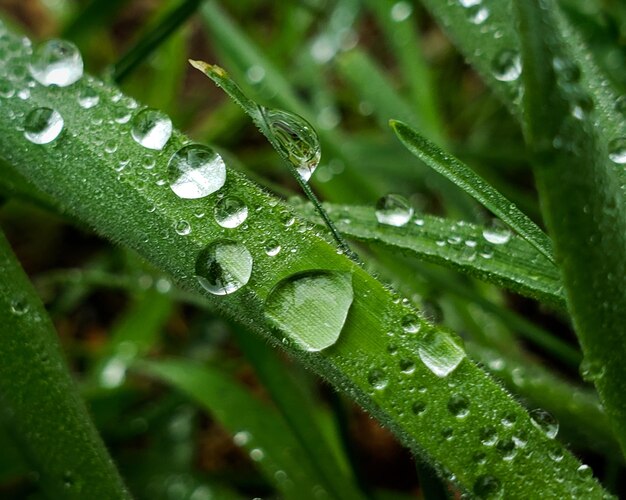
{"points": [[545, 422], [43, 125], [590, 371], [440, 353], [230, 212], [56, 62], [488, 487], [393, 210], [458, 405], [19, 307], [223, 267], [182, 228], [311, 307], [151, 129], [196, 171], [88, 98], [295, 139], [507, 66], [272, 247], [617, 150], [377, 378], [497, 233]]}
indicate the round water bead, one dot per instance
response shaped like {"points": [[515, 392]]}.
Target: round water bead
{"points": [[196, 171], [56, 62], [497, 233], [545, 422], [393, 210], [223, 267], [43, 125], [230, 212], [507, 66], [617, 150], [151, 129]]}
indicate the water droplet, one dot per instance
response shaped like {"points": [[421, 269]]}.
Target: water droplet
{"points": [[418, 407], [295, 139], [56, 62], [401, 11], [230, 212], [545, 422], [393, 210], [487, 487], [497, 233], [478, 14], [151, 129], [88, 98], [507, 66], [43, 125], [182, 227], [440, 353], [196, 171], [617, 150], [447, 433], [488, 436], [272, 247], [19, 307], [257, 454], [458, 405], [620, 105], [507, 448], [584, 472], [255, 74], [223, 267], [377, 378], [411, 323], [566, 69], [6, 89], [509, 419], [591, 370], [242, 438], [407, 366], [311, 307]]}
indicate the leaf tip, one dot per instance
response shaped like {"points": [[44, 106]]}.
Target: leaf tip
{"points": [[208, 69]]}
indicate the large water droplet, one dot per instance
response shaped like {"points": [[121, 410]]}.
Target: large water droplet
{"points": [[224, 267], [617, 150], [311, 307], [487, 487], [295, 139], [545, 422], [43, 125], [230, 212], [393, 210], [151, 128], [497, 233], [196, 171], [507, 66], [56, 62], [440, 353]]}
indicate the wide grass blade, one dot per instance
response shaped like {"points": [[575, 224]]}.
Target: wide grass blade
{"points": [[39, 400], [384, 348], [582, 204]]}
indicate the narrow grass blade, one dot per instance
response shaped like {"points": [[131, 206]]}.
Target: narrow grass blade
{"points": [[138, 207], [464, 177], [582, 204], [39, 400]]}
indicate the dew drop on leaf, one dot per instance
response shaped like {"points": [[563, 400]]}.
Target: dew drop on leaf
{"points": [[458, 405], [617, 150], [377, 378], [488, 436], [393, 210], [295, 139], [591, 370], [440, 353], [507, 66], [545, 422], [223, 267], [182, 228], [56, 62], [311, 307], [272, 247], [151, 129], [497, 233], [230, 212], [43, 125], [401, 11], [407, 366], [418, 407], [488, 487], [410, 323], [19, 307], [196, 171], [88, 98]]}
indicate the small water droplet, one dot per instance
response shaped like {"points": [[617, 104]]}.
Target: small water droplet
{"points": [[295, 139], [393, 210], [617, 150], [458, 405], [584, 472], [418, 407], [88, 98], [591, 371], [488, 436], [377, 378], [196, 171], [43, 125], [230, 212], [507, 448], [488, 487], [545, 422], [242, 438], [497, 233], [19, 307], [257, 454], [507, 66], [182, 228], [56, 62], [272, 247], [223, 267], [477, 14], [509, 419], [6, 89], [407, 366], [311, 307], [440, 353], [151, 129], [401, 11], [255, 74], [411, 323]]}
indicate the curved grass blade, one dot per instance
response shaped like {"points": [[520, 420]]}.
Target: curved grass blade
{"points": [[137, 207], [40, 401], [464, 177], [583, 206]]}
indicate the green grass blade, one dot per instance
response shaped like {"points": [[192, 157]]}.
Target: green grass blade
{"points": [[514, 265], [136, 206], [39, 399], [464, 177], [583, 207], [255, 425]]}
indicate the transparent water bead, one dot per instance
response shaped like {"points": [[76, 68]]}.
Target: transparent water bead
{"points": [[151, 129], [88, 98], [488, 487], [43, 125], [440, 353], [497, 233], [196, 171], [272, 248], [223, 267], [507, 66], [545, 422], [56, 62], [230, 212], [458, 405], [617, 150], [19, 307], [401, 11], [377, 378], [393, 210], [311, 307], [295, 139], [591, 371]]}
